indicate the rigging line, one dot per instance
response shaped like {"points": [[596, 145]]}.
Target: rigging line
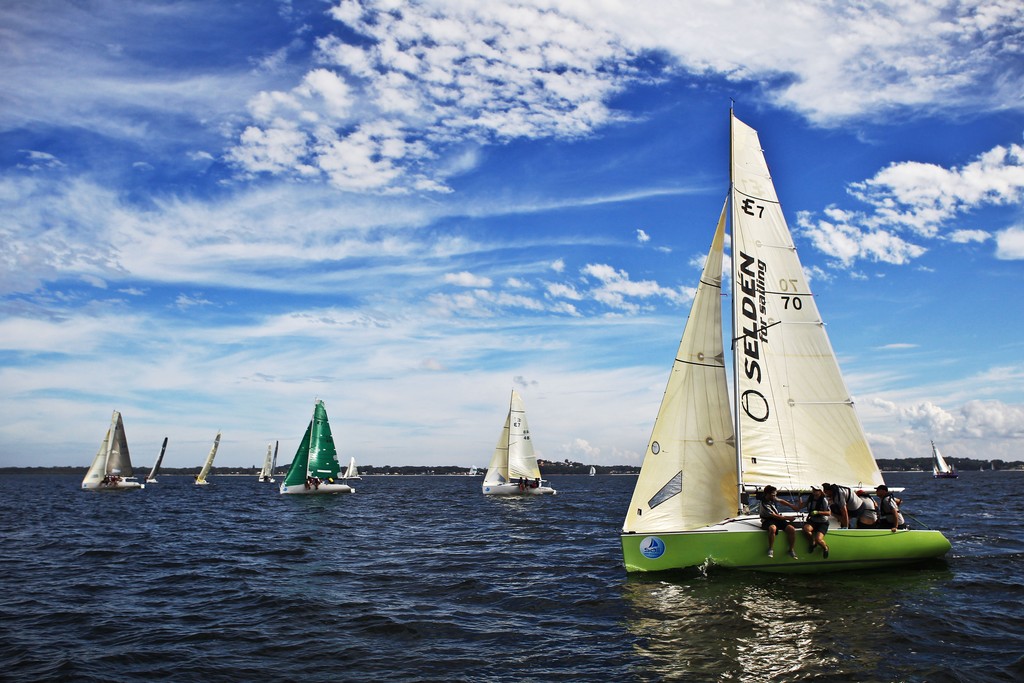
{"points": [[759, 329], [754, 196], [700, 365]]}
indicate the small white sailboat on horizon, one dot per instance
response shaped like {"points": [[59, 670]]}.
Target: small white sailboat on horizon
{"points": [[795, 424], [351, 472], [593, 471], [111, 468], [513, 470], [269, 462], [940, 468], [201, 477], [315, 467], [151, 477]]}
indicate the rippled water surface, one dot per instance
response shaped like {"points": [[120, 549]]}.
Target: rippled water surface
{"points": [[425, 579]]}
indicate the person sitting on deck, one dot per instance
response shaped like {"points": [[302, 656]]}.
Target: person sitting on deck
{"points": [[817, 519], [772, 520], [889, 510], [848, 506]]}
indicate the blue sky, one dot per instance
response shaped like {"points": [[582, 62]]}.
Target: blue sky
{"points": [[212, 214]]}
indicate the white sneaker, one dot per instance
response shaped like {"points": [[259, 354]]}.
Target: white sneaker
{"points": [[792, 553], [771, 552]]}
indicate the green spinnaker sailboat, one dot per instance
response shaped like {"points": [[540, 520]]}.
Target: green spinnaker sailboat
{"points": [[795, 424], [315, 466]]}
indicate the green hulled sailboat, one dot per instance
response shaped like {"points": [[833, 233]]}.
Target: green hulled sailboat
{"points": [[315, 466], [795, 424]]}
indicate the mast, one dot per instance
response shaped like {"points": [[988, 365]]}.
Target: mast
{"points": [[738, 437], [312, 431]]}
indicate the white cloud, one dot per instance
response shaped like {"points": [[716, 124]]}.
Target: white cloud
{"points": [[984, 419], [922, 197], [467, 279], [968, 236], [558, 265], [1010, 244], [642, 237], [616, 290], [581, 448]]}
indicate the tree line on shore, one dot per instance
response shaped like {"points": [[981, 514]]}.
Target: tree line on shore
{"points": [[548, 467]]}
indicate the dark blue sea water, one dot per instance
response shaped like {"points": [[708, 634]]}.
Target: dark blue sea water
{"points": [[425, 579]]}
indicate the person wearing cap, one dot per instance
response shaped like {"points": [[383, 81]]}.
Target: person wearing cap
{"points": [[818, 512], [889, 514], [772, 520]]}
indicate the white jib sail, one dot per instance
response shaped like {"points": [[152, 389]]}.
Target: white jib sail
{"points": [[98, 469], [797, 423], [497, 470], [688, 477]]}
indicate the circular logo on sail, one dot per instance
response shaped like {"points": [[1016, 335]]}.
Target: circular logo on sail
{"points": [[652, 547], [754, 405]]}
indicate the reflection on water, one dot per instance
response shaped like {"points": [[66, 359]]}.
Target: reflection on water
{"points": [[752, 627]]}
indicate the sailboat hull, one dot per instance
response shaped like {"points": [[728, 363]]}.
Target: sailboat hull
{"points": [[302, 489], [742, 544], [123, 485], [490, 489]]}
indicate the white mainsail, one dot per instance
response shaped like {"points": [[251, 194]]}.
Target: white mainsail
{"points": [[151, 477], [691, 444], [352, 472], [201, 479], [939, 464], [796, 420], [268, 467], [521, 460]]}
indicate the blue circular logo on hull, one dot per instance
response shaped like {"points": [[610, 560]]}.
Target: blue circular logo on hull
{"points": [[652, 547]]}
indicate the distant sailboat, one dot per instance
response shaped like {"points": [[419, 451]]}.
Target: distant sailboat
{"points": [[795, 423], [513, 470], [315, 466], [940, 469], [201, 477], [151, 477], [352, 472], [267, 472], [472, 471], [111, 469], [592, 471]]}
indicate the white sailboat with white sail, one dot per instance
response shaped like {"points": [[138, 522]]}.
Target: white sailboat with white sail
{"points": [[201, 477], [940, 468], [513, 470], [795, 423], [593, 471], [111, 468], [351, 472], [267, 471], [151, 477]]}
